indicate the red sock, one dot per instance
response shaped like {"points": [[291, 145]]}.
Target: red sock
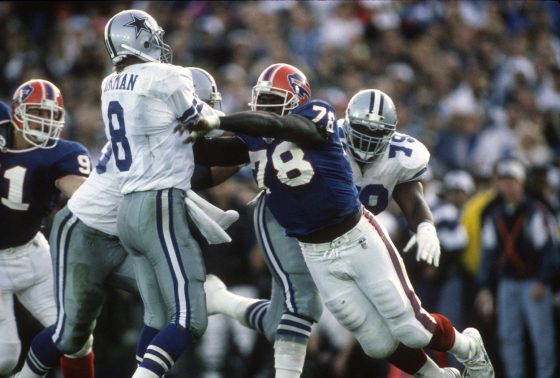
{"points": [[407, 359], [444, 334], [77, 367]]}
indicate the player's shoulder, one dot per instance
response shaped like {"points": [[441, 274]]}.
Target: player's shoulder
{"points": [[313, 106], [408, 152], [66, 147], [320, 112]]}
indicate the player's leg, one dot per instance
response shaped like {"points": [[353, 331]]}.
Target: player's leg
{"points": [[295, 302], [10, 345], [82, 259], [387, 285], [355, 312], [155, 317], [155, 224]]}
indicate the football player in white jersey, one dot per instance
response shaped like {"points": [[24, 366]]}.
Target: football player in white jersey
{"points": [[141, 103], [36, 167], [92, 251], [372, 119], [387, 164]]}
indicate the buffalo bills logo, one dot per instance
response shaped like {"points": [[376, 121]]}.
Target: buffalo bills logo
{"points": [[299, 85], [24, 93]]}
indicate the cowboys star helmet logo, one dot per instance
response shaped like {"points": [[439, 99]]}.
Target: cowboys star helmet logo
{"points": [[138, 24]]}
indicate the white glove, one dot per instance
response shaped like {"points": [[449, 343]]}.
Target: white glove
{"points": [[201, 127], [428, 244]]}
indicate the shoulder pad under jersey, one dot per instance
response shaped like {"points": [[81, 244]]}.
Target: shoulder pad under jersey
{"points": [[319, 112]]}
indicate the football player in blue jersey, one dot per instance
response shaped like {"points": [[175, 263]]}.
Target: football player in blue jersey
{"points": [[35, 167], [300, 163]]}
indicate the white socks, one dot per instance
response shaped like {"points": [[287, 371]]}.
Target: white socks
{"points": [[462, 348], [289, 358], [144, 373]]}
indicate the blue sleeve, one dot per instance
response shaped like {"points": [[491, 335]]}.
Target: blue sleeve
{"points": [[320, 112], [74, 160]]}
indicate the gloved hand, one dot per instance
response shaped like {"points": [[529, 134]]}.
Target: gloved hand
{"points": [[428, 244], [199, 127]]}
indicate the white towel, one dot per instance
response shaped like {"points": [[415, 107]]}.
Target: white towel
{"points": [[210, 220]]}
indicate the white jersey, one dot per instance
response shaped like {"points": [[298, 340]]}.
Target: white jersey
{"points": [[97, 200], [405, 159], [141, 106]]}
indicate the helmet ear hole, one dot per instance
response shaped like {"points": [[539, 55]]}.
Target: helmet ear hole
{"points": [[146, 44]]}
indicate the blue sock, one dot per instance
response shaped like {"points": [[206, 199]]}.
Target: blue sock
{"points": [[255, 315], [145, 338], [43, 355], [165, 348]]}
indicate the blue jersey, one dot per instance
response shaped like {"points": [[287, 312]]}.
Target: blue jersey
{"points": [[306, 189], [27, 187]]}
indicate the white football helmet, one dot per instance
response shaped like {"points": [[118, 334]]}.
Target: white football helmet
{"points": [[205, 87], [135, 33], [371, 121]]}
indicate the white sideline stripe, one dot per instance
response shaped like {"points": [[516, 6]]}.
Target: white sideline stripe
{"points": [[61, 278], [273, 259], [181, 283]]}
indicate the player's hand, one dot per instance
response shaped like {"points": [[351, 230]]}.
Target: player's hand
{"points": [[428, 244], [199, 127]]}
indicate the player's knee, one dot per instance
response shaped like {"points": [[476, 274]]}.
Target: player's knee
{"points": [[411, 335], [388, 299], [311, 309], [379, 348], [198, 326], [375, 337], [346, 312], [9, 354]]}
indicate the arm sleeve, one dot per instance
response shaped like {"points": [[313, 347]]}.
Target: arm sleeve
{"points": [[76, 161], [293, 128], [201, 178], [226, 151]]}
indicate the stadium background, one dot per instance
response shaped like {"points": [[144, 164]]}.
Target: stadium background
{"points": [[475, 81]]}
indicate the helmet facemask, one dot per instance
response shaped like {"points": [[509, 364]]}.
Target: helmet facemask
{"points": [[275, 100], [368, 139], [371, 121], [40, 124]]}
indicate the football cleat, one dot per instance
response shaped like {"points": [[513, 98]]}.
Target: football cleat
{"points": [[451, 373], [478, 364]]}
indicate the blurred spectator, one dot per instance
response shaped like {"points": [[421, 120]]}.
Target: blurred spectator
{"points": [[519, 262]]}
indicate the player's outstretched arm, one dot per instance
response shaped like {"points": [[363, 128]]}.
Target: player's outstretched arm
{"points": [[293, 128]]}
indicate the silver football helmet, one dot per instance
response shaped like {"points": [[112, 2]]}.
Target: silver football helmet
{"points": [[135, 33], [205, 87], [371, 121]]}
